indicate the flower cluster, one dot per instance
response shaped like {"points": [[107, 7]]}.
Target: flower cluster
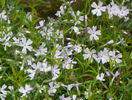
{"points": [[76, 56]]}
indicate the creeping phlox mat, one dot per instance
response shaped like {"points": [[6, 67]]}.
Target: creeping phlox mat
{"points": [[81, 54]]}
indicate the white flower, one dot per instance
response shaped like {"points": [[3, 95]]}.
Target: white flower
{"points": [[109, 42], [114, 76], [0, 68], [32, 70], [93, 33], [59, 35], [58, 53], [98, 8], [41, 24], [103, 56], [76, 30], [26, 45], [41, 51], [68, 63], [63, 98], [11, 88], [89, 54], [3, 15], [31, 73], [69, 87], [126, 19], [45, 67], [67, 51], [16, 41], [6, 42], [55, 71], [53, 88], [114, 57], [61, 12], [78, 48], [113, 9], [74, 97], [29, 16], [26, 90], [3, 92], [87, 94], [124, 32], [100, 77], [123, 12]]}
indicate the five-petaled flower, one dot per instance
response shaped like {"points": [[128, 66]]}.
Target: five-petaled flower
{"points": [[98, 8], [93, 33], [26, 90], [26, 45]]}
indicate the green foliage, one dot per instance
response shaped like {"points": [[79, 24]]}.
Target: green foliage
{"points": [[23, 16]]}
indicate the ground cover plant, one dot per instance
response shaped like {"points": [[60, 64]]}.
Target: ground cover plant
{"points": [[80, 54]]}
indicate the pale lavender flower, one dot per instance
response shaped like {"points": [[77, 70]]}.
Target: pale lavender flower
{"points": [[3, 15], [115, 56], [87, 94], [64, 98], [68, 63], [55, 72], [3, 92], [76, 29], [41, 51], [78, 48], [53, 88], [94, 33], [98, 9], [89, 54], [26, 45], [123, 12], [25, 90], [100, 77], [103, 56]]}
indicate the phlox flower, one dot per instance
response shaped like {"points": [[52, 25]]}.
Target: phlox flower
{"points": [[98, 9], [113, 9], [41, 51], [89, 54], [103, 56], [55, 72], [68, 63], [44, 67], [100, 77], [26, 45], [6, 43], [115, 57], [41, 24], [114, 76], [76, 29], [87, 93], [61, 11], [64, 98], [3, 15], [16, 40], [123, 12], [78, 48], [94, 33], [53, 88], [32, 70], [3, 92], [25, 90]]}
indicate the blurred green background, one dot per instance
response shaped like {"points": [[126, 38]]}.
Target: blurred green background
{"points": [[43, 8]]}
